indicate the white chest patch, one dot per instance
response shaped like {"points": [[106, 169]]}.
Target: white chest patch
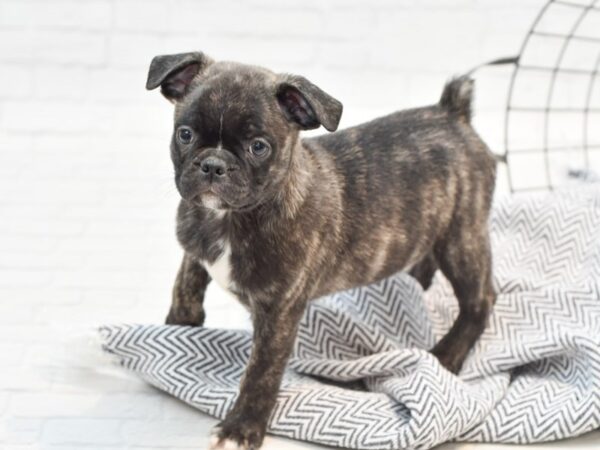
{"points": [[220, 270]]}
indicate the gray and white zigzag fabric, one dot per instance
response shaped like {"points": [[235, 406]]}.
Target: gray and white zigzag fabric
{"points": [[361, 376]]}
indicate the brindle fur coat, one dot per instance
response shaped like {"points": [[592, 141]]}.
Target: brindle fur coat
{"points": [[287, 220]]}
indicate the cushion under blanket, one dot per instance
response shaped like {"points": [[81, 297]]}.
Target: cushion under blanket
{"points": [[361, 376]]}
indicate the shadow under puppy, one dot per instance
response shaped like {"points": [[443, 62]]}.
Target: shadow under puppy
{"points": [[278, 220]]}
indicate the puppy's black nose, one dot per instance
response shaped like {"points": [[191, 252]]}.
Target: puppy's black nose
{"points": [[212, 166]]}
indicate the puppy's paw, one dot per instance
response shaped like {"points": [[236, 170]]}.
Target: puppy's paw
{"points": [[216, 443], [449, 360], [237, 434], [185, 316]]}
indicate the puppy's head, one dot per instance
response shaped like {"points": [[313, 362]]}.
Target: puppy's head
{"points": [[236, 126]]}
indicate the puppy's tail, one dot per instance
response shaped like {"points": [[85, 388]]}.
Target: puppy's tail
{"points": [[457, 97]]}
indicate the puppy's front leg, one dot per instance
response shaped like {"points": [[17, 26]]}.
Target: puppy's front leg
{"points": [[275, 328], [188, 294]]}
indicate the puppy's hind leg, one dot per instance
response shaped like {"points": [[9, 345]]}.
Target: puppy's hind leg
{"points": [[424, 271], [466, 263]]}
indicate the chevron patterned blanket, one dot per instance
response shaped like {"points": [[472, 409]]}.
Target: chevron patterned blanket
{"points": [[361, 376]]}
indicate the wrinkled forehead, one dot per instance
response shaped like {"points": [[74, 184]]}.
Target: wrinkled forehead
{"points": [[237, 98]]}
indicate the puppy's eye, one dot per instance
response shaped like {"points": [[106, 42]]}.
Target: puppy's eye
{"points": [[259, 148], [185, 135]]}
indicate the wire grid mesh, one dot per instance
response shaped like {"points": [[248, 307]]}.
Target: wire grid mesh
{"points": [[553, 103]]}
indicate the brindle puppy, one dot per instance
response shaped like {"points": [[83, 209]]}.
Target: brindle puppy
{"points": [[278, 220]]}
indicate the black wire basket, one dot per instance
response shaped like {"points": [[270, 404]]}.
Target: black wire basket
{"points": [[553, 104]]}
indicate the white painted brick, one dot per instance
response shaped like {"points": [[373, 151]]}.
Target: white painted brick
{"points": [[34, 296], [495, 45], [287, 5], [29, 335], [34, 261], [88, 14], [31, 212], [48, 227], [107, 210], [178, 43], [55, 117], [89, 278], [49, 263], [69, 47], [56, 47], [425, 89], [343, 55], [386, 91], [513, 4], [61, 83], [15, 148], [12, 352], [32, 243], [445, 4], [4, 399], [140, 120], [17, 45], [354, 24], [15, 81], [24, 277], [447, 42], [502, 19], [143, 15], [143, 314], [62, 192], [16, 313], [66, 144], [124, 298], [381, 4], [113, 227], [104, 244], [133, 50], [278, 54], [81, 314], [491, 88], [235, 19], [14, 14], [75, 166], [79, 447], [118, 85]]}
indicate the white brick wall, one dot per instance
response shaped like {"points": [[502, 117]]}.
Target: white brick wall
{"points": [[86, 196]]}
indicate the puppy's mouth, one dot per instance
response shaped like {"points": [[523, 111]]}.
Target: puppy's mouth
{"points": [[216, 195], [212, 197]]}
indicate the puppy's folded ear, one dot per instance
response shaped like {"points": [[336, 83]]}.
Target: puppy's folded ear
{"points": [[174, 73], [305, 104]]}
